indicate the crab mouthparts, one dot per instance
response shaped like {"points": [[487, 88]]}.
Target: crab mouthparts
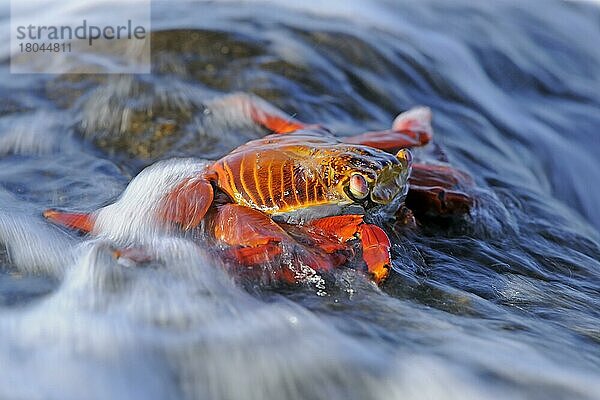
{"points": [[391, 185], [387, 189]]}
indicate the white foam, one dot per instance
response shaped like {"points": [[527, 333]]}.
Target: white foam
{"points": [[36, 133], [134, 218], [33, 246]]}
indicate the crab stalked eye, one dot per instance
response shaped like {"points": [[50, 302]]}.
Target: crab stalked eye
{"points": [[358, 186]]}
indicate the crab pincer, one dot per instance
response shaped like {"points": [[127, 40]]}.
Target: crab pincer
{"points": [[375, 243]]}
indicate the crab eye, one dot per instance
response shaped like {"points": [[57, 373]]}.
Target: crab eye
{"points": [[358, 186]]}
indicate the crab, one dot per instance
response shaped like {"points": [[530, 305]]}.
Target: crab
{"points": [[302, 191]]}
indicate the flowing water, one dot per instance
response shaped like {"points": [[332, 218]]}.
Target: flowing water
{"points": [[503, 304]]}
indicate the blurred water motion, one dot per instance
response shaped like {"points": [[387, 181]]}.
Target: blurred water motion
{"points": [[503, 305]]}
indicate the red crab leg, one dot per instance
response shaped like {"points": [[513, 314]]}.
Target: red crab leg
{"points": [[438, 175], [410, 129], [255, 238], [263, 113], [85, 223], [434, 190], [375, 242], [273, 122], [79, 221], [187, 204]]}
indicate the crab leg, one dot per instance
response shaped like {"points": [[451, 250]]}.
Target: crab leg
{"points": [[435, 189], [261, 113], [410, 129], [187, 204], [85, 224], [78, 221], [438, 175], [375, 242], [274, 122]]}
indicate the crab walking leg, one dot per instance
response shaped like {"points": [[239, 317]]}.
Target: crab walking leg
{"points": [[261, 113], [375, 242], [255, 239], [410, 129], [78, 221], [275, 122], [435, 190], [439, 175], [187, 204], [85, 223]]}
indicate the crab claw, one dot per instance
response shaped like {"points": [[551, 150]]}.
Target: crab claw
{"points": [[374, 241], [376, 251], [253, 239]]}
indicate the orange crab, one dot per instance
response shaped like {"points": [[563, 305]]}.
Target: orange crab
{"points": [[304, 192]]}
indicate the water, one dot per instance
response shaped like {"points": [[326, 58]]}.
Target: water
{"points": [[501, 305]]}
